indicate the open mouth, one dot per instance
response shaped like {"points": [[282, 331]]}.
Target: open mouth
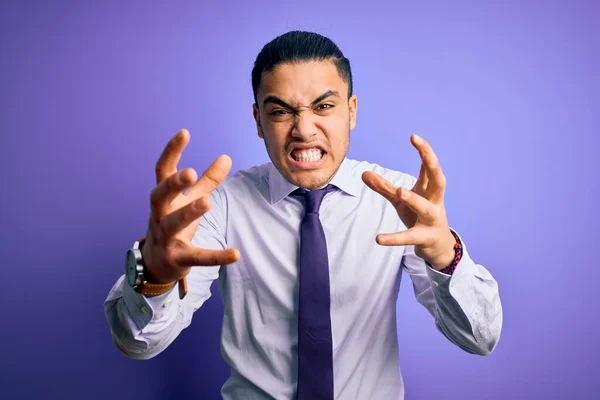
{"points": [[309, 158]]}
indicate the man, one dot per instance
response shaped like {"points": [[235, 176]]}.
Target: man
{"points": [[308, 249]]}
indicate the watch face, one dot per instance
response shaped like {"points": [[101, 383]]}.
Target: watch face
{"points": [[130, 268]]}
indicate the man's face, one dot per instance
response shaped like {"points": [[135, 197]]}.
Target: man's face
{"points": [[305, 117]]}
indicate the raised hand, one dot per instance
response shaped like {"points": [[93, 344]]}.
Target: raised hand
{"points": [[421, 209], [168, 252]]}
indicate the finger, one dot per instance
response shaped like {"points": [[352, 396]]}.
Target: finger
{"points": [[413, 236], [212, 177], [169, 158], [417, 203], [437, 180], [180, 219], [420, 185], [381, 186], [196, 257], [166, 191]]}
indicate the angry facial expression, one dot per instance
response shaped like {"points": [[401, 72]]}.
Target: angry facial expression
{"points": [[304, 115]]}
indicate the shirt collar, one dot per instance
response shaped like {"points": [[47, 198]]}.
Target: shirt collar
{"points": [[344, 179]]}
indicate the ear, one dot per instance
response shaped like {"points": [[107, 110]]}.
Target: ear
{"points": [[256, 113], [352, 107]]}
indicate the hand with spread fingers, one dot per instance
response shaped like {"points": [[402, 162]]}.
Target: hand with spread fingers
{"points": [[421, 209], [168, 252]]}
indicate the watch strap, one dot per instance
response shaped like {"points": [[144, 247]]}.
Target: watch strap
{"points": [[154, 289]]}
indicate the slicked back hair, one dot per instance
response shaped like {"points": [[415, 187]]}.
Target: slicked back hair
{"points": [[299, 46]]}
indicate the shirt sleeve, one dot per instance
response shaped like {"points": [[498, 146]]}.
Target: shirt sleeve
{"points": [[142, 327], [466, 305]]}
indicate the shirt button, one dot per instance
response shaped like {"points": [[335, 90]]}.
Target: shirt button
{"points": [[167, 303], [145, 309]]}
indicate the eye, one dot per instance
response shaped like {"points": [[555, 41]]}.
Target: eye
{"points": [[279, 112], [325, 106]]}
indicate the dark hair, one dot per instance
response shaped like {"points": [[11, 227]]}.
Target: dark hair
{"points": [[298, 46]]}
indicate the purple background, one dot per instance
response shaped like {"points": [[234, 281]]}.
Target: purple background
{"points": [[507, 93]]}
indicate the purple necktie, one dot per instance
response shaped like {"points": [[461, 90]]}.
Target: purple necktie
{"points": [[315, 350]]}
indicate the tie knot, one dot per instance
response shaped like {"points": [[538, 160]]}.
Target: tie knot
{"points": [[314, 198]]}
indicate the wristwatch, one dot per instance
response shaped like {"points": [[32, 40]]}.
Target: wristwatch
{"points": [[136, 278]]}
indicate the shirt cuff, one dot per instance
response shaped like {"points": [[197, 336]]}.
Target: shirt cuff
{"points": [[144, 309], [444, 283]]}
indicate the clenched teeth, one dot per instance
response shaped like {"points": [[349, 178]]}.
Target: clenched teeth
{"points": [[307, 155]]}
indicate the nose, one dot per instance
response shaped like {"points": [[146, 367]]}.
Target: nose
{"points": [[304, 125]]}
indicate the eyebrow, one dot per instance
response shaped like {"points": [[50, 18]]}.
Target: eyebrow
{"points": [[277, 100]]}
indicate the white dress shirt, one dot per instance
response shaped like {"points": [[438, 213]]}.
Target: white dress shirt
{"points": [[253, 212]]}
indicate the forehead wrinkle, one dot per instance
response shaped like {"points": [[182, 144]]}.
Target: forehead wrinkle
{"points": [[323, 96]]}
